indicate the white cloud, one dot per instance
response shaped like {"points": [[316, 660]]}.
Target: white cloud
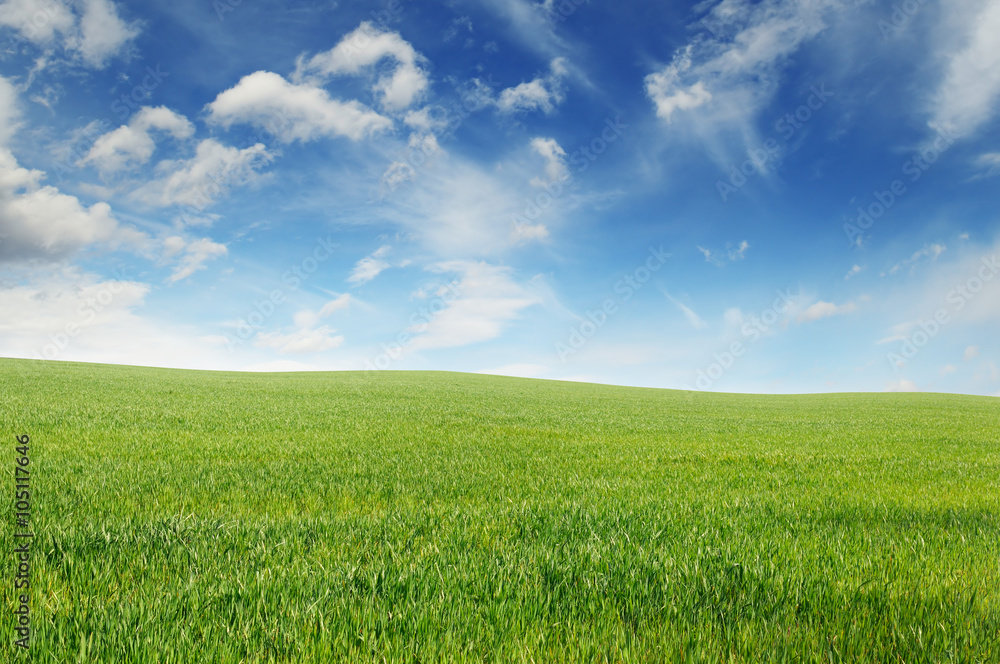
{"points": [[855, 270], [530, 23], [968, 94], [102, 33], [397, 89], [930, 251], [369, 267], [694, 319], [555, 160], [667, 91], [427, 119], [738, 253], [728, 76], [209, 174], [37, 22], [67, 314], [399, 172], [518, 370], [948, 369], [60, 309], [308, 336], [9, 112], [709, 257], [542, 93], [131, 144], [342, 301], [489, 299], [971, 352], [196, 254], [300, 341], [522, 233], [462, 208], [990, 163], [293, 111], [735, 254], [901, 385], [95, 33], [819, 310], [41, 222]]}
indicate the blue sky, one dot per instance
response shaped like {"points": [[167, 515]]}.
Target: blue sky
{"points": [[774, 196]]}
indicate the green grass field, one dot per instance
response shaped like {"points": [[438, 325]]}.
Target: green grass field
{"points": [[396, 516]]}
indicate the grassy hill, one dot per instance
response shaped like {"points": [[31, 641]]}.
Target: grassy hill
{"points": [[190, 516]]}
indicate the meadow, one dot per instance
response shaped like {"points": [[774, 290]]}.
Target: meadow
{"points": [[187, 516]]}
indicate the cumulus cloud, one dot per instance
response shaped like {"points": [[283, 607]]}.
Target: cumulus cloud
{"points": [[39, 24], [293, 111], [968, 94], [360, 50], [971, 352], [39, 221], [102, 33], [90, 30], [427, 119], [540, 94], [132, 145], [200, 180], [855, 270]]}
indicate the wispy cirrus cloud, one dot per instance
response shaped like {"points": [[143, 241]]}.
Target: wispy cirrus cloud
{"points": [[967, 95], [721, 80]]}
